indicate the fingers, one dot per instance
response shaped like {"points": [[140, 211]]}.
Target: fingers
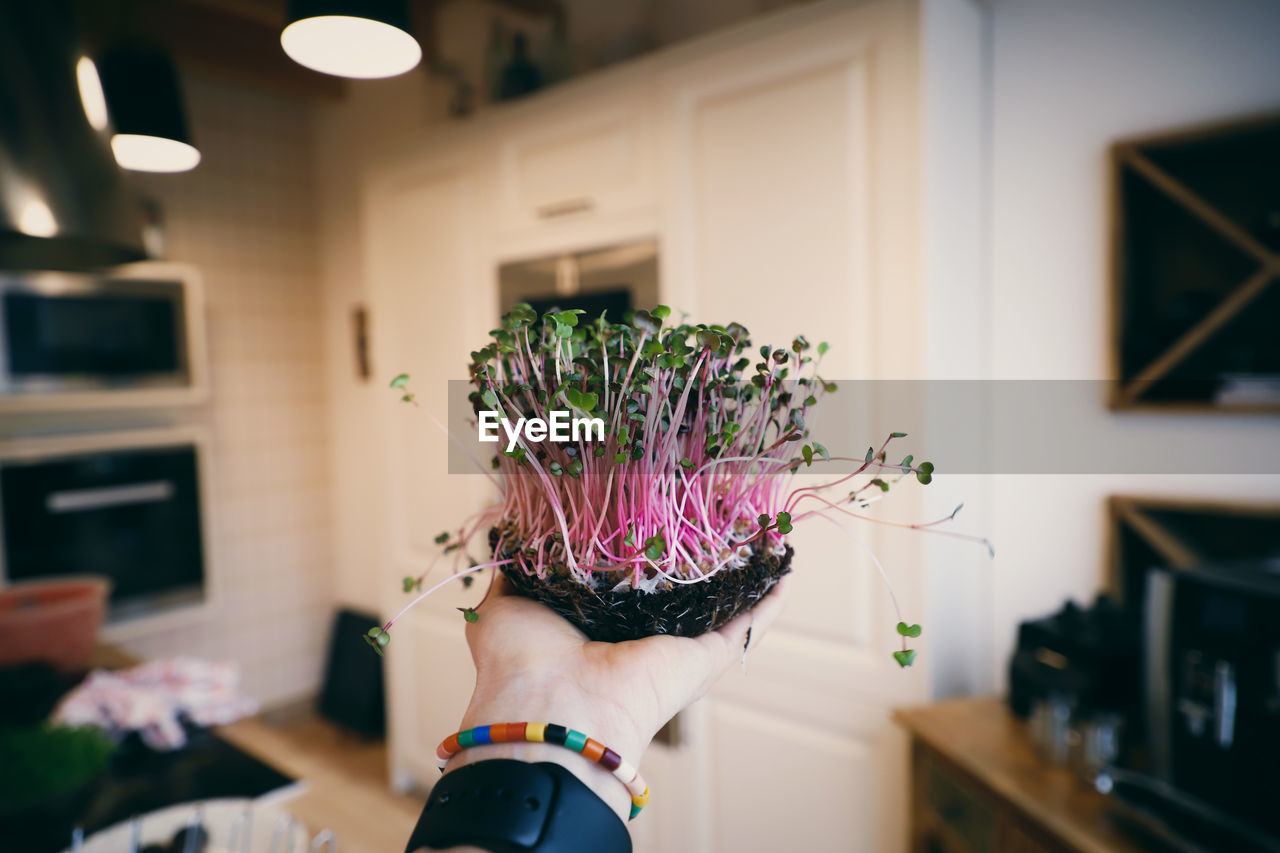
{"points": [[728, 644]]}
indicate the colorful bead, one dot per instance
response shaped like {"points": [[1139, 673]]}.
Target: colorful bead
{"points": [[575, 740], [466, 739], [625, 772], [555, 734], [593, 750], [480, 735], [610, 760], [534, 732]]}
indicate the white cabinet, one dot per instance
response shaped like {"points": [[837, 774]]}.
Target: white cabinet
{"points": [[780, 167], [578, 160], [424, 223], [790, 179]]}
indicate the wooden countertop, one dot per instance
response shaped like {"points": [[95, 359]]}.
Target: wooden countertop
{"points": [[985, 740]]}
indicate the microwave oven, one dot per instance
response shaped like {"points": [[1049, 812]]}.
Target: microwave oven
{"points": [[129, 336]]}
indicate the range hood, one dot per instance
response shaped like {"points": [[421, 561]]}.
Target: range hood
{"points": [[63, 201]]}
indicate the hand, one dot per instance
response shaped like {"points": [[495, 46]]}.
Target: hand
{"points": [[534, 666]]}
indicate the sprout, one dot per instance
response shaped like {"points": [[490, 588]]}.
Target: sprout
{"points": [[695, 470]]}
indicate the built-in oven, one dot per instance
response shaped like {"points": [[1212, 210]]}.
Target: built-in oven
{"points": [[126, 505], [613, 279], [133, 335]]}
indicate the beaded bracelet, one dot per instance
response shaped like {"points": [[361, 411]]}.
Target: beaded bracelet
{"points": [[550, 733]]}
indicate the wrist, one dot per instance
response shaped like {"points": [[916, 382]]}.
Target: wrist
{"points": [[519, 700], [601, 782]]}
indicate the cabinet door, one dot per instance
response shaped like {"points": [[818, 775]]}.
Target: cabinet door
{"points": [[584, 160], [432, 299], [792, 182]]}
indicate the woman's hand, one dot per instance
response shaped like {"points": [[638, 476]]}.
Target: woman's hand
{"points": [[534, 666]]}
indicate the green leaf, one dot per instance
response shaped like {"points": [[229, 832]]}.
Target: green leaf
{"points": [[924, 473], [784, 522], [662, 312], [646, 322], [709, 339], [907, 460], [905, 658], [407, 398], [654, 547], [906, 630], [442, 538], [469, 613], [400, 381], [880, 484], [490, 398], [822, 348], [763, 520], [871, 454], [408, 584], [807, 453], [686, 463], [556, 469], [822, 451]]}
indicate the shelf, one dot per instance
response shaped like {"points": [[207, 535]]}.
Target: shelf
{"points": [[1196, 259]]}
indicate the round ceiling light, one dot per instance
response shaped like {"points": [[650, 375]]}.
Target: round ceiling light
{"points": [[364, 40], [141, 153], [148, 120]]}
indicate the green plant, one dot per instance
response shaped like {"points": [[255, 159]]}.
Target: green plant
{"points": [[690, 472], [46, 761]]}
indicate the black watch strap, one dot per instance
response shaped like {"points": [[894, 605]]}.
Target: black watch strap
{"points": [[508, 806]]}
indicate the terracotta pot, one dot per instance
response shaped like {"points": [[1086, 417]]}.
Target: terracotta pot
{"points": [[52, 621]]}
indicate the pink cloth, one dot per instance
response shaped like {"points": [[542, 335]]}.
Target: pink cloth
{"points": [[151, 699]]}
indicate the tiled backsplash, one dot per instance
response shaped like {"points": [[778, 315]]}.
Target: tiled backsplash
{"points": [[246, 219]]}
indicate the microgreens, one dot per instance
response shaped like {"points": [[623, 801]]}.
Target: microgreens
{"points": [[695, 471]]}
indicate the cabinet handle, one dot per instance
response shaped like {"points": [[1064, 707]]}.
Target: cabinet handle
{"points": [[77, 500], [565, 208]]}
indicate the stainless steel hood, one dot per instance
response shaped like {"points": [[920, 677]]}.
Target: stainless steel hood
{"points": [[63, 201]]}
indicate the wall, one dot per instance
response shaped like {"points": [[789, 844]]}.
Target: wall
{"points": [[1066, 80], [349, 135], [246, 218], [1059, 81]]}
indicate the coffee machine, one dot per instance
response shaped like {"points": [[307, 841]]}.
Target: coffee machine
{"points": [[1211, 706]]}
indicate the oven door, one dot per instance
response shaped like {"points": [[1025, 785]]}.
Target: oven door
{"points": [[126, 506]]}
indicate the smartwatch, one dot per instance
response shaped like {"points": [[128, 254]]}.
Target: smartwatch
{"points": [[508, 806]]}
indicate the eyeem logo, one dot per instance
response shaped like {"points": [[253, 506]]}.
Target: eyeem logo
{"points": [[560, 428]]}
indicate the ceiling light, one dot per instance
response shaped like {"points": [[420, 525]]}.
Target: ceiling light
{"points": [[144, 100], [141, 153], [91, 97], [36, 219], [364, 40]]}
